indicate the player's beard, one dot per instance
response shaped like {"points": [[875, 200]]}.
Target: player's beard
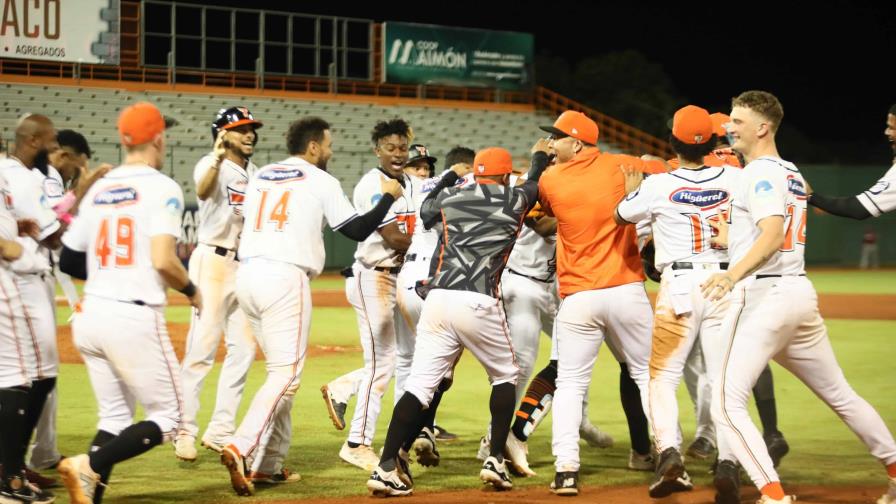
{"points": [[42, 160], [322, 163]]}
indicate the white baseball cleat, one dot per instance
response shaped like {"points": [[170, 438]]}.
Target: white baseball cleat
{"points": [[363, 456], [388, 484], [516, 452], [494, 473], [212, 444], [788, 499], [595, 437], [185, 448], [890, 496], [79, 479], [485, 447]]}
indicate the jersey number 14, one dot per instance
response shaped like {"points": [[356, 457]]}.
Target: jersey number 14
{"points": [[279, 215]]}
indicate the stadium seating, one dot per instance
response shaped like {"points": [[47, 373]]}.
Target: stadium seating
{"points": [[93, 112]]}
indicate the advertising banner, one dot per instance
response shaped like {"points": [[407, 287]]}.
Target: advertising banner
{"points": [[430, 54], [61, 30]]}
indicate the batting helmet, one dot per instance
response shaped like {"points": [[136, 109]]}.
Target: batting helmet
{"points": [[416, 152], [232, 117]]}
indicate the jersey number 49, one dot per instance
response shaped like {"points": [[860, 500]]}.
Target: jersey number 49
{"points": [[115, 242]]}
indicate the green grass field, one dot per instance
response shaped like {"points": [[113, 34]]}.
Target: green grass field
{"points": [[823, 450]]}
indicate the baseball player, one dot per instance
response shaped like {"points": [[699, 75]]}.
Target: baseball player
{"points": [[221, 179], [773, 311], [68, 166], [15, 373], [679, 206], [477, 225], [280, 251], [33, 187], [123, 243], [601, 280], [371, 283], [878, 199], [419, 167], [694, 374]]}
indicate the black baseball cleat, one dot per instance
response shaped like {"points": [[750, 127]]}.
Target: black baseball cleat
{"points": [[727, 482], [335, 409], [566, 483], [425, 448], [18, 489], [387, 484], [494, 473], [777, 446], [442, 434], [701, 448], [670, 475]]}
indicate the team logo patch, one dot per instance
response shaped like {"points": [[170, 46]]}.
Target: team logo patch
{"points": [[763, 188], [701, 198], [375, 198], [796, 186], [116, 196], [235, 197], [879, 187], [173, 206], [280, 175], [53, 189]]}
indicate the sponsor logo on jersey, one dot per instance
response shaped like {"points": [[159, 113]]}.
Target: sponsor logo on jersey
{"points": [[796, 186], [879, 187], [701, 198], [281, 175], [116, 196]]}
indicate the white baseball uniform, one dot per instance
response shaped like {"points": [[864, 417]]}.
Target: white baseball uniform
{"points": [[281, 249], [14, 338], [35, 282], [371, 291], [774, 314], [881, 197], [679, 205], [213, 266], [120, 330]]}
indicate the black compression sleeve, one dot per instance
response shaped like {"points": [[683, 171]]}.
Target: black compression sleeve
{"points": [[539, 165], [362, 226], [73, 263], [844, 206]]}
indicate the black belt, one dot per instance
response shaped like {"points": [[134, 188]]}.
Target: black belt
{"points": [[392, 271], [530, 277], [221, 251], [688, 265], [759, 277]]}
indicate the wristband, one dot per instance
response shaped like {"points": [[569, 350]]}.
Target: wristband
{"points": [[189, 290]]}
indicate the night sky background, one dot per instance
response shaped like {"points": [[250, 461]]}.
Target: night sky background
{"points": [[832, 64]]}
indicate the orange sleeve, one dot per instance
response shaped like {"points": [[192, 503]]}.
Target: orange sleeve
{"points": [[543, 195], [654, 166], [673, 164]]}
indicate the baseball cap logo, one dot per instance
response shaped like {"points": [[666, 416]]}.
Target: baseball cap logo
{"points": [[481, 168], [575, 131], [698, 138]]}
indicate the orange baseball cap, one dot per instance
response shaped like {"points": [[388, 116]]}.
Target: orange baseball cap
{"points": [[692, 125], [492, 161], [140, 123], [576, 125], [718, 121]]}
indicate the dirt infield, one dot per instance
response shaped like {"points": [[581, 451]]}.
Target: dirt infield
{"points": [[618, 495], [845, 306]]}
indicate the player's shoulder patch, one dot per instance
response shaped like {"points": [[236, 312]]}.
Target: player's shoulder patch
{"points": [[702, 198], [117, 196], [763, 187], [281, 174], [796, 186]]}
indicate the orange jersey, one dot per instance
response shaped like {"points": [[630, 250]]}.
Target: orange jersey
{"points": [[718, 157], [592, 251]]}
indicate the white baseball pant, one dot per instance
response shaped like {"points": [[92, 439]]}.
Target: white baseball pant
{"points": [[16, 369], [129, 359], [36, 291], [408, 307], [700, 392], [372, 294], [276, 298], [623, 316], [683, 319], [530, 306], [777, 318], [451, 321], [215, 276]]}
